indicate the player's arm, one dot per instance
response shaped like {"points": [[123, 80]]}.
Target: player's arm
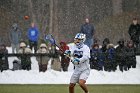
{"points": [[86, 55]]}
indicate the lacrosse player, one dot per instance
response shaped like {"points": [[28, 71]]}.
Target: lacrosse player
{"points": [[80, 54]]}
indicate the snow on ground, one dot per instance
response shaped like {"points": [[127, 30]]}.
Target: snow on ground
{"points": [[55, 77]]}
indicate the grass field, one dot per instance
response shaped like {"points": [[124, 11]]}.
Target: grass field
{"points": [[64, 89]]}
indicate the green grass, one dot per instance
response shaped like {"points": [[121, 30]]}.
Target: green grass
{"points": [[64, 89]]}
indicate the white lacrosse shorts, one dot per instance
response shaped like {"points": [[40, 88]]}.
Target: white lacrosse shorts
{"points": [[77, 75]]}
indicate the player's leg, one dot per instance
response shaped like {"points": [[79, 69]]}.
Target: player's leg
{"points": [[71, 87], [82, 80], [83, 85], [74, 79]]}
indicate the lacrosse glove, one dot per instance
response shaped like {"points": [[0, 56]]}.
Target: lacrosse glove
{"points": [[67, 52], [75, 61]]}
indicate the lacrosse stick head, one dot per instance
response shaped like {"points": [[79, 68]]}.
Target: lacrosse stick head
{"points": [[50, 38]]}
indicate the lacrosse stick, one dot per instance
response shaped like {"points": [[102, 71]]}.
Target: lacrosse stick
{"points": [[51, 39]]}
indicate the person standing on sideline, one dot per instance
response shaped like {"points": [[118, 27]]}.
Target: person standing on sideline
{"points": [[121, 55], [25, 60], [88, 30], [64, 59], [80, 55], [43, 60], [134, 32], [4, 65], [15, 37], [33, 35]]}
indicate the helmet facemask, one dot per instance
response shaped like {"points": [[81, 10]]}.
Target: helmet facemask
{"points": [[79, 40]]}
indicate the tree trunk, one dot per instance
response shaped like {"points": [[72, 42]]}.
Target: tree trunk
{"points": [[51, 17], [117, 7], [55, 24]]}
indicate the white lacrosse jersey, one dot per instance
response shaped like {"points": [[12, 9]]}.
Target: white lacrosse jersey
{"points": [[83, 54]]}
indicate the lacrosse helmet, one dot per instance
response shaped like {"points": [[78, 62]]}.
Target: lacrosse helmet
{"points": [[79, 39]]}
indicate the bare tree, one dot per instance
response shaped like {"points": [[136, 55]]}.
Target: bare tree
{"points": [[117, 7], [31, 11], [51, 16], [55, 25]]}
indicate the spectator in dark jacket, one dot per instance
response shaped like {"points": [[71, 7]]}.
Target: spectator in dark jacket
{"points": [[121, 54], [88, 30], [110, 63], [3, 58], [15, 37], [25, 60], [134, 32], [96, 61], [106, 41], [33, 35], [131, 57]]}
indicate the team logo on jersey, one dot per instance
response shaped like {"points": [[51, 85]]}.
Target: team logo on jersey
{"points": [[33, 33], [78, 54]]}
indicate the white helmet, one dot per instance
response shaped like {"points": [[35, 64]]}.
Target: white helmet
{"points": [[79, 39], [80, 36]]}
